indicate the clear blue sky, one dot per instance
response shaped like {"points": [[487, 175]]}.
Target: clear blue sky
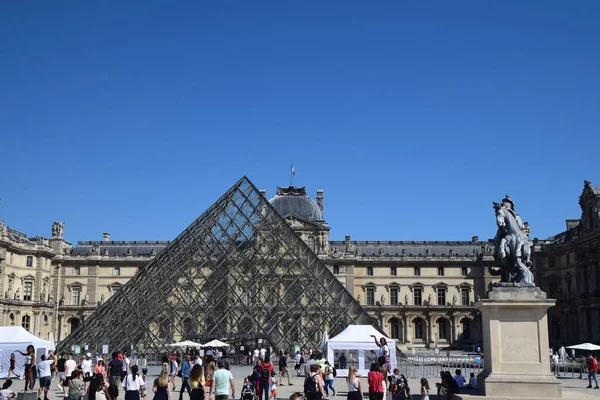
{"points": [[412, 116]]}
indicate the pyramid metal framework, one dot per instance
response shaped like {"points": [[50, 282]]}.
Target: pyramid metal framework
{"points": [[238, 271]]}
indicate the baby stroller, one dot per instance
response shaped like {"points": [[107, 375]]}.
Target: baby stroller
{"points": [[248, 392]]}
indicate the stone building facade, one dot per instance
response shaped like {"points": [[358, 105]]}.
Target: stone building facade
{"points": [[566, 267], [422, 293]]}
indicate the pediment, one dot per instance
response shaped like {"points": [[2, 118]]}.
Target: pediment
{"points": [[76, 283], [297, 222]]}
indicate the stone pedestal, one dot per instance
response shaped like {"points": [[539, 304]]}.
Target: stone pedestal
{"points": [[515, 345]]}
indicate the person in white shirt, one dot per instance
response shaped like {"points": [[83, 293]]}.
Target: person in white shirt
{"points": [[126, 362], [6, 392], [133, 383], [459, 379], [45, 376], [198, 360], [263, 353], [255, 355]]}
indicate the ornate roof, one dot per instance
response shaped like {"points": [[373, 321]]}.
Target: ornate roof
{"points": [[412, 248], [119, 248], [294, 201]]}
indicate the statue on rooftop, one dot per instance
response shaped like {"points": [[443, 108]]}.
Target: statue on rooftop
{"points": [[513, 247], [57, 229]]}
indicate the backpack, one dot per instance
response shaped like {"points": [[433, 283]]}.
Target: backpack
{"points": [[334, 372], [255, 375], [310, 385], [265, 374]]}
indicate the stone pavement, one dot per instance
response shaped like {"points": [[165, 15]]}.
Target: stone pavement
{"points": [[573, 388]]}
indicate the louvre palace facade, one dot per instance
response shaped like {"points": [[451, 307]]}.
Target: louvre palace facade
{"points": [[420, 293]]}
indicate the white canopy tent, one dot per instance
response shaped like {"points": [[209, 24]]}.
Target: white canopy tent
{"points": [[585, 346], [13, 338], [186, 343], [215, 343], [359, 349]]}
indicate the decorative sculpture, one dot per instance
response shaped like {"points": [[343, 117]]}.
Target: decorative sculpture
{"points": [[57, 229], [513, 247]]}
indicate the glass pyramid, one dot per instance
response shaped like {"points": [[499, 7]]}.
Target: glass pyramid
{"points": [[238, 271]]}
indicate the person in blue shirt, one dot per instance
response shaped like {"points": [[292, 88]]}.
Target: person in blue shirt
{"points": [[185, 377]]}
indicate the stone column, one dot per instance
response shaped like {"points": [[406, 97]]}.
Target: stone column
{"points": [[407, 330], [515, 344]]}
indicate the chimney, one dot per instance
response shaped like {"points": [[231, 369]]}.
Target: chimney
{"points": [[106, 237], [572, 224], [320, 200], [475, 239], [263, 192]]}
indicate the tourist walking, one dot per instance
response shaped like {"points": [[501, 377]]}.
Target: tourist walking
{"points": [[133, 384], [223, 384], [114, 369], [354, 386], [162, 387], [185, 377], [197, 382], [592, 366]]}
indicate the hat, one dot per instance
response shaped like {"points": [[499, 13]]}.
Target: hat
{"points": [[88, 355]]}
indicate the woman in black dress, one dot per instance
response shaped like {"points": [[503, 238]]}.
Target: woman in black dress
{"points": [[162, 387], [13, 365]]}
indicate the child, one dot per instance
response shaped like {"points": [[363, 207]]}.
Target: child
{"points": [[424, 389], [146, 382], [273, 386], [393, 379], [247, 390], [472, 382], [13, 364]]}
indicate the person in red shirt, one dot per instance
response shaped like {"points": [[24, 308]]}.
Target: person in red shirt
{"points": [[265, 370], [375, 379], [592, 366]]}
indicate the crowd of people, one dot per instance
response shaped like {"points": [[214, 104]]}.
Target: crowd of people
{"points": [[92, 377]]}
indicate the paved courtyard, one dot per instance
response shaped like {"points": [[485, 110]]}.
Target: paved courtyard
{"points": [[573, 388]]}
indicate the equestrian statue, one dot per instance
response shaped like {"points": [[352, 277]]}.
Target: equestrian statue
{"points": [[513, 247]]}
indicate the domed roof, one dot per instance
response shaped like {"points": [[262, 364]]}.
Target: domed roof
{"points": [[294, 201]]}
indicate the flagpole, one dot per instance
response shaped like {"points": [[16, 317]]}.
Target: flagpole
{"points": [[292, 173]]}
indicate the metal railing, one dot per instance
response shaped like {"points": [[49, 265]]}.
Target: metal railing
{"points": [[429, 366]]}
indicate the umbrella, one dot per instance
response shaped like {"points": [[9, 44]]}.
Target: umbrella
{"points": [[585, 346], [215, 343], [186, 343]]}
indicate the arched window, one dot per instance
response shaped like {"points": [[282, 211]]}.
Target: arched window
{"points": [[442, 329], [11, 318], [395, 328], [466, 328], [45, 320], [418, 324], [74, 324], [26, 322], [29, 261]]}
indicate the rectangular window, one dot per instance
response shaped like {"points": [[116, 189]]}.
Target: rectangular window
{"points": [[465, 296], [393, 271], [116, 271], [370, 271], [568, 258], [394, 296], [418, 296], [440, 271], [441, 295], [336, 269], [75, 296], [27, 290], [76, 271], [29, 261], [464, 271], [370, 296], [417, 271]]}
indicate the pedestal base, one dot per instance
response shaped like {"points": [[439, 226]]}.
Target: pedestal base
{"points": [[515, 345]]}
